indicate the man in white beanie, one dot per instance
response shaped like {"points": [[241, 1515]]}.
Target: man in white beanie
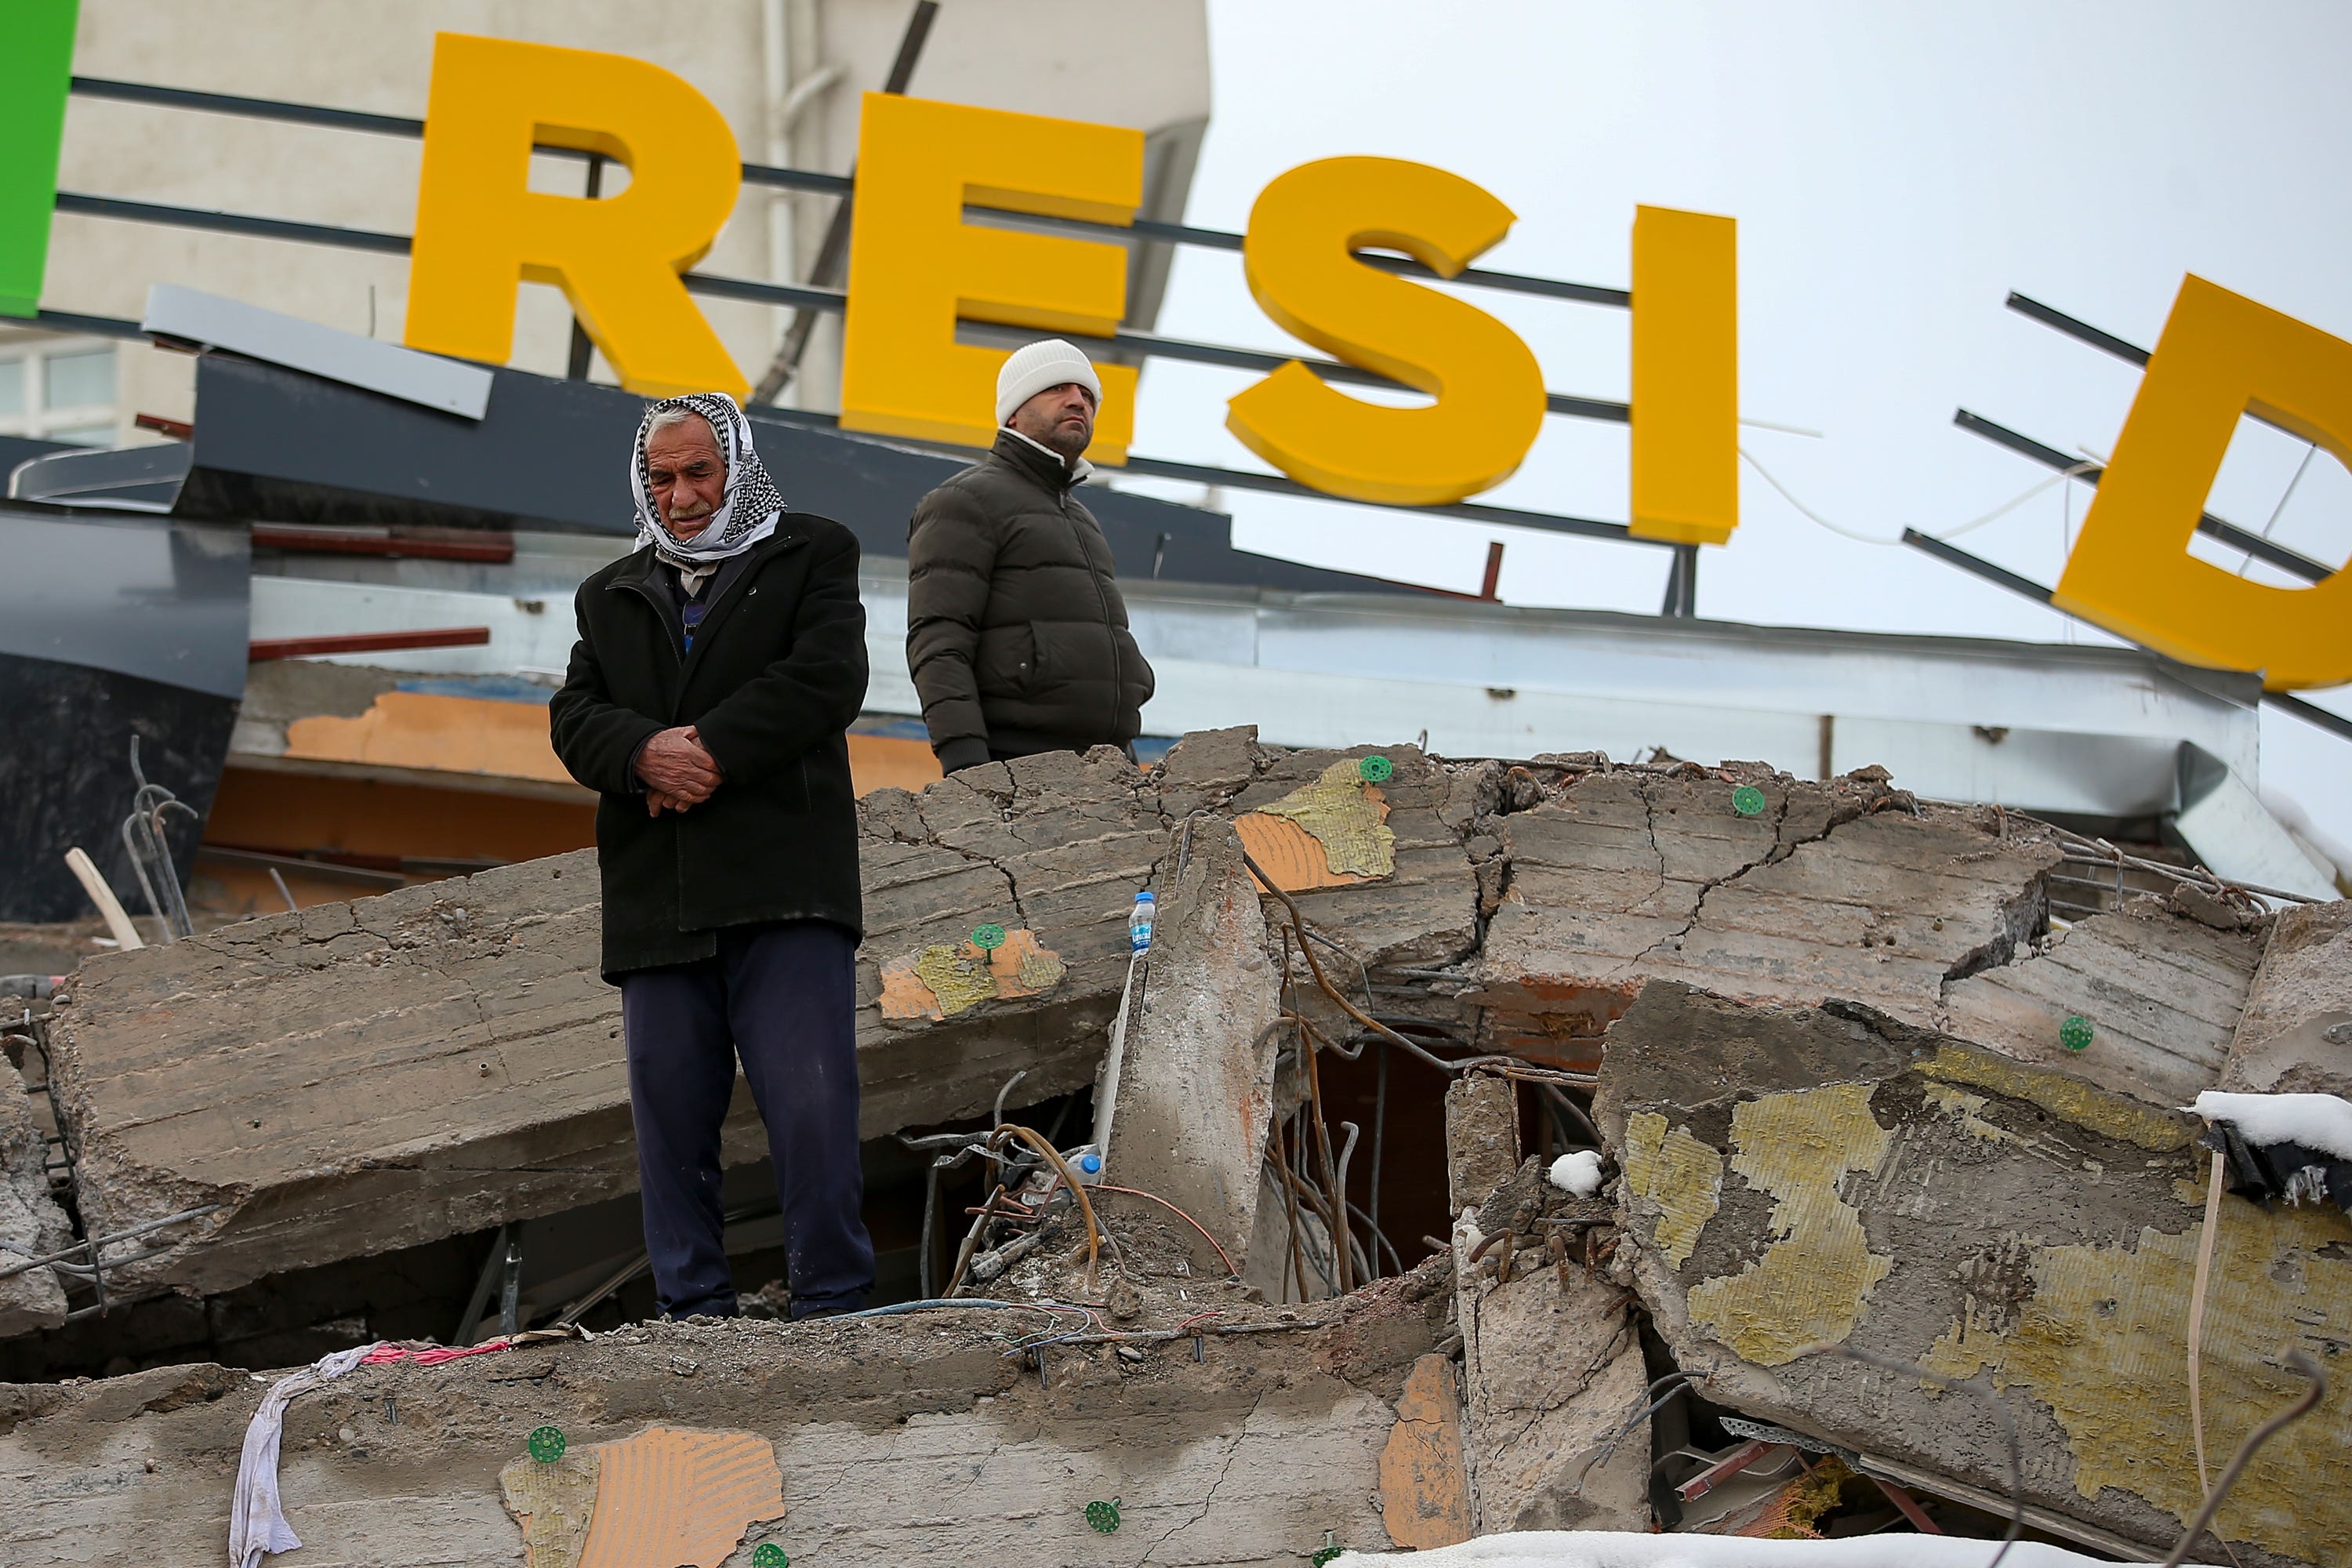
{"points": [[1016, 635]]}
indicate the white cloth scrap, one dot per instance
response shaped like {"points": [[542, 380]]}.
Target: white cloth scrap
{"points": [[256, 1524], [1578, 1174], [1626, 1549], [2320, 1121]]}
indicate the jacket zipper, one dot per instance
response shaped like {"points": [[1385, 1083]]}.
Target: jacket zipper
{"points": [[1102, 600]]}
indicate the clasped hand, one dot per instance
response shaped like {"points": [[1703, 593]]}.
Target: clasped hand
{"points": [[677, 772]]}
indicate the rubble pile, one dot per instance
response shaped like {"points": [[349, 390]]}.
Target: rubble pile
{"points": [[1785, 1162]]}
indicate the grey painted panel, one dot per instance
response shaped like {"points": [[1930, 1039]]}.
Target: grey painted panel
{"points": [[275, 444], [192, 316], [166, 602]]}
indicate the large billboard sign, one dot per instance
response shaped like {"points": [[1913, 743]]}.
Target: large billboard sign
{"points": [[918, 266]]}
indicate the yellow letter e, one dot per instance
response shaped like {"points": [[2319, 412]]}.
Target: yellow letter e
{"points": [[915, 265]]}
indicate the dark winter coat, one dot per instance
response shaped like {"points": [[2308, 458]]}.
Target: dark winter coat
{"points": [[1016, 635], [777, 674]]}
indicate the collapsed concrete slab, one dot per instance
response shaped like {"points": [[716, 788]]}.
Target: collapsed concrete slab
{"points": [[1614, 877], [359, 1077], [894, 1440], [356, 1078], [1797, 1178], [1188, 1090], [2157, 996]]}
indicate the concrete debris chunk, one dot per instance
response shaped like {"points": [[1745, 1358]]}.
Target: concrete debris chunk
{"points": [[31, 1223], [1833, 890], [2295, 1033], [2161, 993], [360, 1077], [1481, 1138], [902, 1439], [1554, 1409], [1862, 1183], [1189, 1091]]}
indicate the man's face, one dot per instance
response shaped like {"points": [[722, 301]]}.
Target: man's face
{"points": [[685, 475], [1062, 417]]}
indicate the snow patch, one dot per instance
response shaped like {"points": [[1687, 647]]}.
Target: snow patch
{"points": [[2319, 1121], [1623, 1549], [1579, 1174]]}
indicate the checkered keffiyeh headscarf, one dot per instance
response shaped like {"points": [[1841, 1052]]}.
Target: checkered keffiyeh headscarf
{"points": [[745, 517]]}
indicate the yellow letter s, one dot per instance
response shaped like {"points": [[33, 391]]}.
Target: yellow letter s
{"points": [[1300, 255]]}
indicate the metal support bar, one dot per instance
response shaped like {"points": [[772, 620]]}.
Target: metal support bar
{"points": [[583, 348], [2310, 713], [2080, 332], [1682, 585], [2107, 343], [1273, 484], [2227, 533], [1952, 554], [2000, 576], [232, 223], [89, 326], [822, 183], [806, 299], [480, 1299], [510, 1286]]}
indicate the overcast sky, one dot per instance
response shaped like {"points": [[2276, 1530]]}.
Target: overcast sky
{"points": [[1896, 170]]}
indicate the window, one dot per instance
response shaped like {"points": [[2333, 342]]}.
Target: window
{"points": [[58, 389]]}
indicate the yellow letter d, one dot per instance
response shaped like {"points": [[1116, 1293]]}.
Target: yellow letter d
{"points": [[2220, 355]]}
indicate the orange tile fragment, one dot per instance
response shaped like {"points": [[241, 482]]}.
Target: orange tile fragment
{"points": [[1293, 856], [668, 1497], [1424, 1488]]}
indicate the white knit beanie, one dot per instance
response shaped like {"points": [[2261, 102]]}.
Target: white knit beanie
{"points": [[1032, 368]]}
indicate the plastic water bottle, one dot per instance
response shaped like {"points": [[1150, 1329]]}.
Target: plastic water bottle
{"points": [[1139, 923], [1085, 1163]]}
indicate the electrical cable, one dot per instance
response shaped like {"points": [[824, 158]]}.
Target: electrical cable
{"points": [[1062, 1168], [1223, 1257], [2308, 1369], [1975, 523]]}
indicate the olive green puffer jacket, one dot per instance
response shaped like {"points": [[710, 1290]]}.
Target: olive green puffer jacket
{"points": [[1016, 635]]}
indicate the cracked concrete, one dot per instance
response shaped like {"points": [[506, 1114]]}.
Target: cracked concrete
{"points": [[1553, 1378], [29, 1218], [902, 1440], [363, 1076], [1925, 1200]]}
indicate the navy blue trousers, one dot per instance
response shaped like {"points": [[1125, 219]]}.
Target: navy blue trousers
{"points": [[783, 998]]}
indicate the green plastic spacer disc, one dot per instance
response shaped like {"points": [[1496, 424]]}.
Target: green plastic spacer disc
{"points": [[1329, 1549], [768, 1554], [1103, 1516], [989, 937], [547, 1444], [1747, 800], [2074, 1033], [1375, 770]]}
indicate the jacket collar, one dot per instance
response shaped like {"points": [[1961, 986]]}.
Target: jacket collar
{"points": [[1040, 462], [639, 567]]}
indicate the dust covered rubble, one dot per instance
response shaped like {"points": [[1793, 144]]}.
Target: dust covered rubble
{"points": [[355, 1077]]}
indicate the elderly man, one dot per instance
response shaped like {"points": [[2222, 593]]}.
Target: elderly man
{"points": [[1016, 635], [718, 669]]}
